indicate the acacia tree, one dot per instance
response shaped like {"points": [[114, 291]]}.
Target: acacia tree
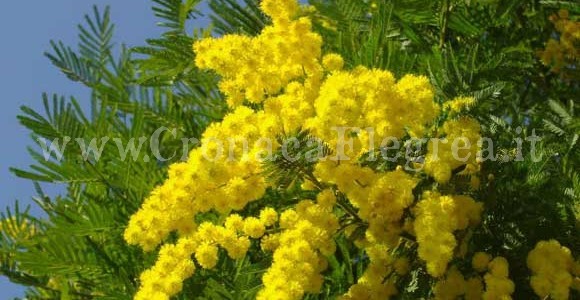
{"points": [[491, 69]]}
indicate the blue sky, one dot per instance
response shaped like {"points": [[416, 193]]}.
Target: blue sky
{"points": [[26, 27]]}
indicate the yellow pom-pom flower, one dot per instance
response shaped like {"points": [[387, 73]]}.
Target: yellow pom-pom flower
{"points": [[207, 255], [551, 265], [480, 261], [253, 227]]}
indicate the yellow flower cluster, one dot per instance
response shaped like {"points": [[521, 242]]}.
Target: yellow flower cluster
{"points": [[459, 147], [174, 263], [480, 261], [253, 68], [293, 107], [454, 285], [212, 178], [551, 265], [473, 288], [332, 62], [565, 50], [291, 85], [381, 198], [497, 282], [297, 263], [362, 98], [165, 278], [459, 104], [437, 217], [374, 283]]}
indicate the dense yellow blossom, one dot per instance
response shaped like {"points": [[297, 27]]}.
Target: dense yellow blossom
{"points": [[298, 260], [173, 266], [283, 52], [326, 198], [473, 288], [380, 198], [497, 282], [451, 286], [551, 266], [254, 228], [350, 102], [207, 255], [332, 62], [291, 84], [563, 51], [437, 217], [270, 242], [208, 180], [174, 263], [234, 222], [268, 216], [458, 148], [374, 284]]}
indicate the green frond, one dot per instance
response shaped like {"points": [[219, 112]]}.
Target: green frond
{"points": [[175, 13], [71, 64], [96, 37], [231, 16], [62, 119], [563, 114], [292, 164]]}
